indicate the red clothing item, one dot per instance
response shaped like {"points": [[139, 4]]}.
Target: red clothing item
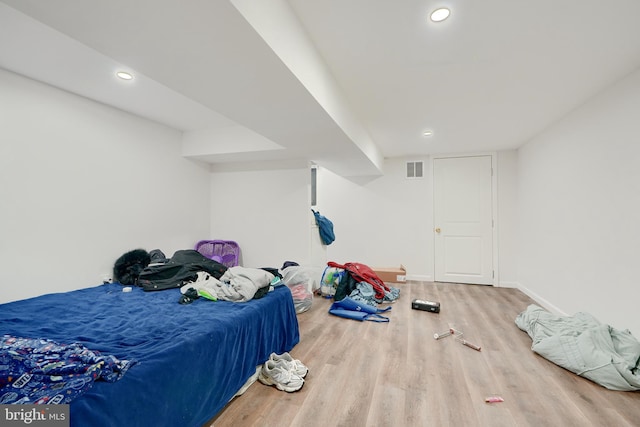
{"points": [[363, 273]]}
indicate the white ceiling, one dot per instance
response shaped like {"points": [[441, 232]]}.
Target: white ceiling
{"points": [[343, 83]]}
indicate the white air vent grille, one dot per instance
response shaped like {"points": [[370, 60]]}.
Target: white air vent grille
{"points": [[414, 169]]}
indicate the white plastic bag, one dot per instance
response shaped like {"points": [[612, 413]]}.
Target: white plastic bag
{"points": [[299, 280]]}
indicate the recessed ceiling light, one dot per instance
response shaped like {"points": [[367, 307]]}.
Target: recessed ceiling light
{"points": [[440, 14], [124, 75], [427, 133]]}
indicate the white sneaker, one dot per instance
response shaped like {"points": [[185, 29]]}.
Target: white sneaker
{"points": [[278, 374], [294, 364]]}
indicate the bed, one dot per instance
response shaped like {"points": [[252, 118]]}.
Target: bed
{"points": [[188, 361]]}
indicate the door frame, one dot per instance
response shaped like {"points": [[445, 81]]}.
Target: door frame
{"points": [[494, 208]]}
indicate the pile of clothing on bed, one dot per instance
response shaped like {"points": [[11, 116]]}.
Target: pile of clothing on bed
{"points": [[581, 344], [195, 275], [237, 284]]}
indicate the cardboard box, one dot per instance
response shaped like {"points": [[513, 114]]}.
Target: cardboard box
{"points": [[391, 275]]}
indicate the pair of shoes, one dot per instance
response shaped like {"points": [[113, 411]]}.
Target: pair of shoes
{"points": [[294, 364], [278, 373]]}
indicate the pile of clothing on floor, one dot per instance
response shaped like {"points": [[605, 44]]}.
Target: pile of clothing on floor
{"points": [[581, 344], [357, 281]]}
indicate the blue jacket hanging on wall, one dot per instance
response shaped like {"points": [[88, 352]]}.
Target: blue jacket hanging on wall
{"points": [[326, 228]]}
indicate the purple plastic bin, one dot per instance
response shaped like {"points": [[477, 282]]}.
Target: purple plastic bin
{"points": [[226, 252]]}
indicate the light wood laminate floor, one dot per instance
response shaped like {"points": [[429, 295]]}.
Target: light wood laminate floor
{"points": [[396, 374]]}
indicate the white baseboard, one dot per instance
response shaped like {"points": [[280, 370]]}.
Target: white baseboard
{"points": [[541, 301], [507, 284], [420, 277]]}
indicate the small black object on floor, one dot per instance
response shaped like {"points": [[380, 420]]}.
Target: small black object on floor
{"points": [[424, 305]]}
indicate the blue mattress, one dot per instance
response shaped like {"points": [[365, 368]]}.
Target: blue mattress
{"points": [[190, 359]]}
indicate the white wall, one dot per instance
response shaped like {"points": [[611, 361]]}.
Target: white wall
{"points": [[579, 209], [506, 217], [82, 183], [385, 222], [382, 223], [266, 212]]}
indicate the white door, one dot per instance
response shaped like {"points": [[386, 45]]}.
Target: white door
{"points": [[463, 220]]}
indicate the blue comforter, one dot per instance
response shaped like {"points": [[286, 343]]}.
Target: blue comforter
{"points": [[190, 359]]}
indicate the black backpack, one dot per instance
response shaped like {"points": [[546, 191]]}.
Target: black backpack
{"points": [[182, 267]]}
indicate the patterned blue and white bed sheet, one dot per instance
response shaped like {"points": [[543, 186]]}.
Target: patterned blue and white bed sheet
{"points": [[42, 371]]}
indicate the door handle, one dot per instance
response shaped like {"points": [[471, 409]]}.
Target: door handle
{"points": [[437, 230]]}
